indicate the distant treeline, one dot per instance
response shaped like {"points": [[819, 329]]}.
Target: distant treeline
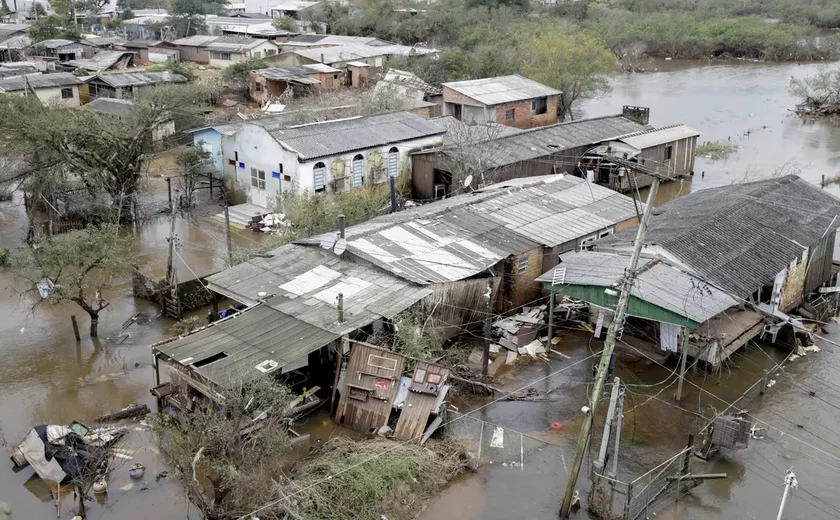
{"points": [[480, 36]]}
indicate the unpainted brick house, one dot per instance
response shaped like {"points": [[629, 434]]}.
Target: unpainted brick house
{"points": [[507, 100]]}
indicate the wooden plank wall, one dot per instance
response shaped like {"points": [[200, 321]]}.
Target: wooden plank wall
{"points": [[418, 406], [373, 387]]}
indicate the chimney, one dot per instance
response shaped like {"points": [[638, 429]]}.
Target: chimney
{"points": [[322, 57], [640, 115]]}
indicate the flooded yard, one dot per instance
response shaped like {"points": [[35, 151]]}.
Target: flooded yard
{"points": [[47, 377]]}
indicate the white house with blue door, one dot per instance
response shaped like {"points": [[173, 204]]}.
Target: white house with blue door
{"points": [[326, 157]]}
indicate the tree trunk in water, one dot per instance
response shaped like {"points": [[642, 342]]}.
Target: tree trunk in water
{"points": [[82, 511], [94, 324]]}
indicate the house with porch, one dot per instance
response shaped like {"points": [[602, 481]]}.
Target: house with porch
{"points": [[730, 262]]}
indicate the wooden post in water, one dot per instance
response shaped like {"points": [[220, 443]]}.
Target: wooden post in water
{"points": [[75, 327]]}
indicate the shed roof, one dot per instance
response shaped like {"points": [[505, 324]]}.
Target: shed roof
{"points": [[58, 79], [658, 136], [322, 67], [237, 44], [136, 79], [116, 107], [286, 73], [410, 80], [102, 60], [304, 282], [739, 237], [502, 150], [501, 89], [244, 342], [55, 43], [358, 133], [662, 285], [461, 237], [293, 5], [199, 40]]}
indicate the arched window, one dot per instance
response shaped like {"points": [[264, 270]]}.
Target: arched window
{"points": [[358, 169], [319, 177], [393, 161]]}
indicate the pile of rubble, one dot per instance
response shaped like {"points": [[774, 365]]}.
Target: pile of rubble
{"points": [[518, 333]]}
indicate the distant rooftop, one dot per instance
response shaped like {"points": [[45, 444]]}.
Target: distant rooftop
{"points": [[58, 79], [114, 107], [137, 79], [501, 89]]}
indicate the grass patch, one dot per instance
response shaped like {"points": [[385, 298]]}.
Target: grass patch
{"points": [[393, 485], [715, 150]]}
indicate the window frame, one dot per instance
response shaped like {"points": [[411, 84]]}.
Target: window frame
{"points": [[543, 109], [510, 114], [669, 152], [67, 90], [522, 264]]}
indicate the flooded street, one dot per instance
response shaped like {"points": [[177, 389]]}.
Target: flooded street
{"points": [[46, 377]]}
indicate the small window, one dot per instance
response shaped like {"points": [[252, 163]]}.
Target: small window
{"points": [[67, 93], [604, 233], [258, 86], [256, 55], [254, 178], [236, 156], [510, 114], [319, 177], [382, 362], [539, 106], [522, 265], [261, 176], [669, 150], [287, 178], [280, 165], [270, 52], [358, 169], [225, 56], [393, 161]]}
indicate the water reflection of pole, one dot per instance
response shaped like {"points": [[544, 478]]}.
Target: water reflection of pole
{"points": [[790, 482]]}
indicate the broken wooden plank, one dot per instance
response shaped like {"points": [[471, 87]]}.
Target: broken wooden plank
{"points": [[560, 354], [129, 412], [431, 429]]}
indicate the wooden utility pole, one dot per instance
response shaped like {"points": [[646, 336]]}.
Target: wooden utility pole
{"points": [[227, 225], [682, 363], [612, 334]]}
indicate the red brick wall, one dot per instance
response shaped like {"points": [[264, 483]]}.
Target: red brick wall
{"points": [[523, 118]]}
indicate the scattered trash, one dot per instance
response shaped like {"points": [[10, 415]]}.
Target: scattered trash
{"points": [[556, 426], [162, 474], [771, 383], [532, 349], [385, 431], [757, 433], [45, 287], [812, 348], [494, 348], [498, 440], [136, 471], [520, 329], [511, 357]]}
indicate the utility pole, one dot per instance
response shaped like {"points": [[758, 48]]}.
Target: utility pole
{"points": [[790, 482], [170, 257], [682, 363], [613, 332], [227, 225]]}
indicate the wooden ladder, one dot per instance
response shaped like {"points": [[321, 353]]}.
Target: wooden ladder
{"points": [[171, 306]]}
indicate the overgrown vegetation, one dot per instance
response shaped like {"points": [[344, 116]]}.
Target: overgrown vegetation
{"points": [[818, 93], [371, 480], [107, 155], [715, 150], [240, 69], [313, 214]]}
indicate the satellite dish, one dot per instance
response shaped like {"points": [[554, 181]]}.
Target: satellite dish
{"points": [[327, 241], [468, 181], [340, 246]]}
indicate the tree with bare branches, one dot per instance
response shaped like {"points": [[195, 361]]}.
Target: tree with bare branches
{"points": [[76, 267], [471, 154]]}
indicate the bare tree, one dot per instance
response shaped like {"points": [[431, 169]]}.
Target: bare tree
{"points": [[470, 153]]}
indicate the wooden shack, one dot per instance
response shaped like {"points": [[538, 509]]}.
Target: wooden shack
{"points": [[424, 394], [370, 384]]}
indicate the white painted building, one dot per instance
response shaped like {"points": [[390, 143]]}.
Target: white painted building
{"points": [[326, 157], [60, 88]]}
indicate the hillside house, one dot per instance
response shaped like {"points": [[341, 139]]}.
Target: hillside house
{"points": [[507, 100], [193, 48], [102, 61], [330, 156], [751, 243], [227, 50], [61, 87], [62, 50], [125, 85], [337, 51], [272, 83], [14, 39]]}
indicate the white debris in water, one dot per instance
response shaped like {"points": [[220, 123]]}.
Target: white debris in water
{"points": [[813, 348], [794, 357], [771, 383], [498, 440]]}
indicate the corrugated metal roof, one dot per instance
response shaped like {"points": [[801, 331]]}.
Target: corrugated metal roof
{"points": [[199, 40], [291, 5], [501, 89], [56, 43], [137, 79], [655, 137], [102, 60], [287, 73], [236, 43], [246, 340], [358, 133], [304, 282], [502, 150], [663, 285], [463, 236], [739, 236], [321, 67], [58, 79]]}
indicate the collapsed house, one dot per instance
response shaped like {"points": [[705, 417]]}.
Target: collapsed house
{"points": [[721, 266]]}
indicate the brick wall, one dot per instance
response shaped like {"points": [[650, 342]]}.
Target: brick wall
{"points": [[522, 114], [524, 287]]}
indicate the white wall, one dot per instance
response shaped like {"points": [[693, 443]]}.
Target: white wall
{"points": [[258, 51], [258, 6], [257, 149], [53, 95]]}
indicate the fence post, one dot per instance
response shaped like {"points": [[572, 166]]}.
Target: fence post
{"points": [[628, 502]]}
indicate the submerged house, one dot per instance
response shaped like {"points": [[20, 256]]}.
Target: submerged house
{"points": [[294, 321], [725, 264], [485, 249]]}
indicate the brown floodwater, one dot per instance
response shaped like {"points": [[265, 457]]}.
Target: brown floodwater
{"points": [[46, 377]]}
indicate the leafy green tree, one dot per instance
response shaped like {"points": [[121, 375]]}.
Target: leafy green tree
{"points": [[76, 267], [54, 26], [284, 23], [576, 64], [195, 164], [187, 16]]}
